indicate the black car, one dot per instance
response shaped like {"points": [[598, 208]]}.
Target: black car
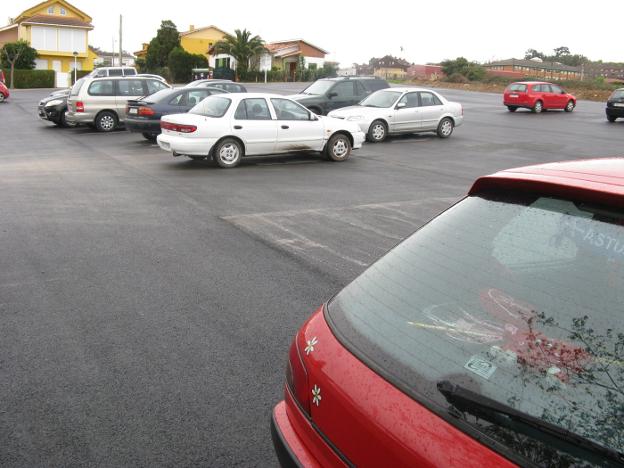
{"points": [[53, 108], [328, 94], [226, 85], [615, 105], [143, 115]]}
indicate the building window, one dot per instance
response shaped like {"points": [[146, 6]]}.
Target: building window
{"points": [[63, 12], [51, 10]]}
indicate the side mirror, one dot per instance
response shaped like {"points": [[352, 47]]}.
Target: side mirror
{"points": [[313, 116], [400, 105], [332, 94], [563, 92]]}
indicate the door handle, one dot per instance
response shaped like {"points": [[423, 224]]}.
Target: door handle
{"points": [[238, 127], [285, 127]]}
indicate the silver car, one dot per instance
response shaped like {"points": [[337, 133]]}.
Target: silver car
{"points": [[393, 111], [101, 102]]}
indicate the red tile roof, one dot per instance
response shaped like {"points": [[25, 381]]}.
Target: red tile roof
{"points": [[57, 20]]}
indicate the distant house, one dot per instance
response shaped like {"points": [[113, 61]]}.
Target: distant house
{"points": [[389, 67], [111, 59], [348, 71], [57, 30], [536, 68], [609, 71], [425, 72], [286, 54]]}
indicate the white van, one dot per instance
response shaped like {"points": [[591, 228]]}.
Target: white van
{"points": [[112, 71]]}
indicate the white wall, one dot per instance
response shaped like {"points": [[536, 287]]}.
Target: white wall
{"points": [[319, 61], [213, 60], [58, 39]]}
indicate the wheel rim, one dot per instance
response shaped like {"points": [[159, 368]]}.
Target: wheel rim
{"points": [[229, 153], [538, 107], [447, 128], [107, 122], [570, 106], [378, 132], [340, 148]]}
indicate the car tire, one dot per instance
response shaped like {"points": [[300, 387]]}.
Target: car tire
{"points": [[377, 132], [1, 98], [611, 118], [512, 108], [228, 153], [538, 107], [106, 121], [445, 127], [149, 136], [569, 106], [338, 148]]}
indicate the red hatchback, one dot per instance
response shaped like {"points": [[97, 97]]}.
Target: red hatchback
{"points": [[493, 336], [537, 96], [4, 92]]}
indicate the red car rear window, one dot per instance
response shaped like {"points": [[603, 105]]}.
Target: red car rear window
{"points": [[517, 87], [517, 299]]}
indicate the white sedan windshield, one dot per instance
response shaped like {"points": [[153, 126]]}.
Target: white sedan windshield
{"points": [[381, 99]]}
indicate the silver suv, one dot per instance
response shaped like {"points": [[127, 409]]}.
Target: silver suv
{"points": [[101, 102]]}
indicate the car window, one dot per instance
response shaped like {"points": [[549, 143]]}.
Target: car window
{"points": [[77, 86], [517, 298], [617, 94], [318, 87], [102, 88], [99, 73], [429, 99], [115, 72], [381, 99], [253, 109], [233, 88], [129, 71], [179, 100], [196, 96], [410, 100], [130, 87], [359, 88], [374, 85], [344, 90], [517, 87], [212, 106], [289, 110], [155, 85], [555, 89], [546, 88]]}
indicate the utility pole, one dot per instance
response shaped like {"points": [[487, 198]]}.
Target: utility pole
{"points": [[120, 49]]}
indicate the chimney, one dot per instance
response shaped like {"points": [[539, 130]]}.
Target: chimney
{"points": [[192, 27]]}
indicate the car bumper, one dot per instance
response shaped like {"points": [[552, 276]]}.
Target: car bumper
{"points": [[52, 114], [179, 145], [358, 139], [615, 111], [459, 119], [143, 126], [79, 117]]}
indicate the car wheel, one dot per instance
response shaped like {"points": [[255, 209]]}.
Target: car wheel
{"points": [[611, 119], [445, 128], [1, 97], [569, 106], [106, 121], [512, 108], [538, 107], [377, 131], [338, 148], [149, 136], [228, 153]]}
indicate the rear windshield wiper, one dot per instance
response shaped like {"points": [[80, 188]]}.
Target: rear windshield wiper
{"points": [[491, 410]]}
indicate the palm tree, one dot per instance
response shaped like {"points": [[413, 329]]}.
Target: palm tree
{"points": [[242, 46]]}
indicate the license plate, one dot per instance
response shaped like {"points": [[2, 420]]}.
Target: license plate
{"points": [[618, 104], [134, 111], [513, 95]]}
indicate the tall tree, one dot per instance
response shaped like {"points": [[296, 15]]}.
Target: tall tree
{"points": [[167, 38], [242, 46], [560, 51], [532, 53], [18, 55]]}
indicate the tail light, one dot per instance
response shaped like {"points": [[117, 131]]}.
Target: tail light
{"points": [[297, 377], [79, 106], [174, 127], [147, 111]]}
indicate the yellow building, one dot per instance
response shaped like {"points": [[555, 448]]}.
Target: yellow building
{"points": [[56, 29]]}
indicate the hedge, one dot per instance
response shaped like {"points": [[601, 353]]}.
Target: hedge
{"points": [[30, 78], [79, 74]]}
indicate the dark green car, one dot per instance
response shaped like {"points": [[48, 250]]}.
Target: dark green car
{"points": [[328, 94]]}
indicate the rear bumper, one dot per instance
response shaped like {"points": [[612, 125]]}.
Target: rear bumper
{"points": [[143, 126], [285, 455], [180, 145], [79, 117]]}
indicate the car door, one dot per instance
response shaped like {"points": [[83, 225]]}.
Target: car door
{"points": [[342, 94], [127, 89], [254, 124], [407, 114], [297, 128], [432, 109], [549, 100], [536, 94], [559, 98]]}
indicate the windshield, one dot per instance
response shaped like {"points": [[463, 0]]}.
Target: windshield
{"points": [[318, 87], [76, 88], [516, 299], [381, 99], [212, 106], [617, 94]]}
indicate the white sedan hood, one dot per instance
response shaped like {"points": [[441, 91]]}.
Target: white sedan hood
{"points": [[367, 112]]}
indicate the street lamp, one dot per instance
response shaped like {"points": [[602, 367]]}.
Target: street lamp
{"points": [[75, 66]]}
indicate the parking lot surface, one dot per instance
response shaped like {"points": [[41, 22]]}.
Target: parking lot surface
{"points": [[147, 302]]}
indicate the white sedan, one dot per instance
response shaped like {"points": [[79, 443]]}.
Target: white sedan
{"points": [[228, 127], [403, 110]]}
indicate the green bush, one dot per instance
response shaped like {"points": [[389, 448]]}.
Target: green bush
{"points": [[181, 64], [30, 78], [457, 78]]}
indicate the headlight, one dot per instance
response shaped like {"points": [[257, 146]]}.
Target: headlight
{"points": [[54, 102], [356, 118]]}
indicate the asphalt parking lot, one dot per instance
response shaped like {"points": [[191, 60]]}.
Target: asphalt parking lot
{"points": [[147, 303]]}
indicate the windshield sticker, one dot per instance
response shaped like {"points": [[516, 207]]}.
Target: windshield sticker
{"points": [[605, 240], [481, 367]]}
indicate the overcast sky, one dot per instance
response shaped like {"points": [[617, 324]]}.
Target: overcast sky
{"points": [[479, 30]]}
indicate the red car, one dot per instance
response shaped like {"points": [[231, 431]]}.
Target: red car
{"points": [[537, 96], [490, 337], [4, 92]]}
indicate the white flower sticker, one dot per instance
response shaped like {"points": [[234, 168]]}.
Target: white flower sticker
{"points": [[311, 343], [316, 395]]}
